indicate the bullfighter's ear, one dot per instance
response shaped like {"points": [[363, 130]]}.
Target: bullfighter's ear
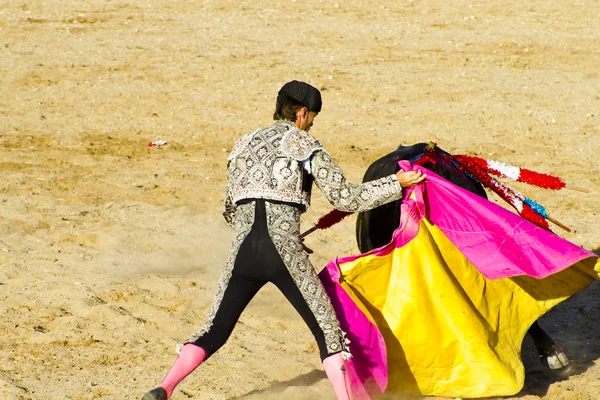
{"points": [[301, 115]]}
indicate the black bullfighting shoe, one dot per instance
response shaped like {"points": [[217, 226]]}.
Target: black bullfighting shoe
{"points": [[156, 394]]}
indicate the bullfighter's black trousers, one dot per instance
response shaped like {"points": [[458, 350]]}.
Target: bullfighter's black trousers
{"points": [[256, 264]]}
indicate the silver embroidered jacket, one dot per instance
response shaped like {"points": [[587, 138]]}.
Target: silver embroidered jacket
{"points": [[281, 162]]}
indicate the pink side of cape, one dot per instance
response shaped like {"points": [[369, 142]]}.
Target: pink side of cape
{"points": [[497, 241], [368, 366]]}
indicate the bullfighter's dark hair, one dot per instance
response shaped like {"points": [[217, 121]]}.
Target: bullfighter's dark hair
{"points": [[287, 110]]}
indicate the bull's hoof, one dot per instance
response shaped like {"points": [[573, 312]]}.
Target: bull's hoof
{"points": [[156, 394], [555, 359]]}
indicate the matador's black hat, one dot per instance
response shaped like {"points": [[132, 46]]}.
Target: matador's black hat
{"points": [[303, 93]]}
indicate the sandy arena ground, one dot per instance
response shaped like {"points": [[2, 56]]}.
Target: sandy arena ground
{"points": [[110, 250]]}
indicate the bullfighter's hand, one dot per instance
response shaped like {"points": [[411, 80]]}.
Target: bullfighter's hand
{"points": [[410, 178]]}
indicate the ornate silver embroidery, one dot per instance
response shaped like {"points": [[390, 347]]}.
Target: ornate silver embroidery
{"points": [[243, 224], [284, 228], [229, 213], [347, 196], [268, 164], [273, 163]]}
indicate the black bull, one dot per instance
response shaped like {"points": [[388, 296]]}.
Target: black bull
{"points": [[374, 228]]}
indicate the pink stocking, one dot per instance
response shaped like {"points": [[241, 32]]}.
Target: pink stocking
{"points": [[190, 357], [336, 369]]}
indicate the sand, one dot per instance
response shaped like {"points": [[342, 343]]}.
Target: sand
{"points": [[110, 249]]}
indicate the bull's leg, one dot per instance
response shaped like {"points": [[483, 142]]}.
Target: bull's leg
{"points": [[550, 354]]}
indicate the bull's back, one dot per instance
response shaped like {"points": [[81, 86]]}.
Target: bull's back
{"points": [[374, 228]]}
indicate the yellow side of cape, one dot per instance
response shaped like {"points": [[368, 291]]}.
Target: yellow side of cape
{"points": [[449, 331]]}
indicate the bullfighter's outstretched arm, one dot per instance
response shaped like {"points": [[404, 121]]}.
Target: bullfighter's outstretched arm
{"points": [[347, 196]]}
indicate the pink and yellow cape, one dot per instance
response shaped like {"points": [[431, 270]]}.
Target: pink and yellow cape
{"points": [[442, 309]]}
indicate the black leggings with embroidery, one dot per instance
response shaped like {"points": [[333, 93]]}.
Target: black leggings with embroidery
{"points": [[257, 263]]}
